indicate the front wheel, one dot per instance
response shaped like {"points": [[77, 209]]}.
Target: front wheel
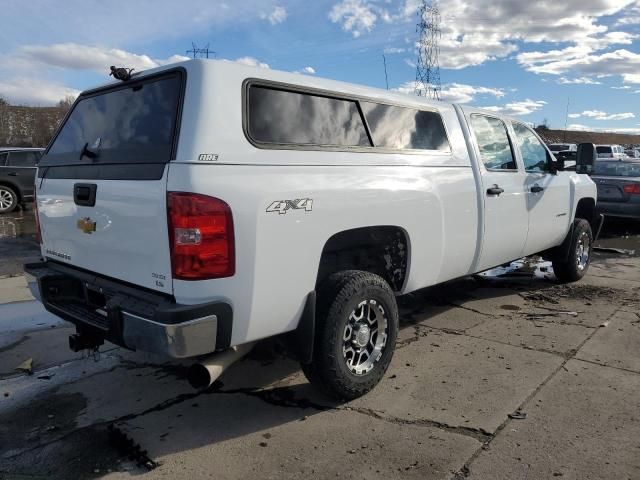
{"points": [[8, 199], [576, 264], [356, 330]]}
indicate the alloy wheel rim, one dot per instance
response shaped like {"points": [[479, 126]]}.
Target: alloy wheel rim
{"points": [[6, 199], [583, 250], [364, 336]]}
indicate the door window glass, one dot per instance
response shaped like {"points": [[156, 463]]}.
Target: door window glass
{"points": [[493, 142], [3, 158], [534, 155]]}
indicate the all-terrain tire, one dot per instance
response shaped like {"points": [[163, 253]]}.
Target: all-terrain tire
{"points": [[576, 264], [8, 199], [341, 297]]}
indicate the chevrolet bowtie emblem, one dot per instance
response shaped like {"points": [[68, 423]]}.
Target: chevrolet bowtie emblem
{"points": [[86, 225]]}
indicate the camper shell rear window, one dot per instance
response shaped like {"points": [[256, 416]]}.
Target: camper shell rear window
{"points": [[132, 123]]}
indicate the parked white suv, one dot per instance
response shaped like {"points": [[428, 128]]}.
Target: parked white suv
{"points": [[207, 205], [610, 152]]}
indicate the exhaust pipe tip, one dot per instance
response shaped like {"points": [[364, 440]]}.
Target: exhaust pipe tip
{"points": [[207, 370], [199, 377]]}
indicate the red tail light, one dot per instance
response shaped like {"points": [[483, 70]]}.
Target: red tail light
{"points": [[200, 236], [632, 188]]}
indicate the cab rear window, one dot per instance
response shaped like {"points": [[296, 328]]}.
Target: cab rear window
{"points": [[135, 123]]}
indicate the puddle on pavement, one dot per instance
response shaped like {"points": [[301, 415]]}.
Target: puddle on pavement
{"points": [[17, 241], [620, 234]]}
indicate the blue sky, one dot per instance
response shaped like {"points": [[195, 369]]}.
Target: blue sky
{"points": [[523, 58]]}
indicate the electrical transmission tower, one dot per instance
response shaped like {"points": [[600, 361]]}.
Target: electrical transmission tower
{"points": [[200, 52], [428, 68]]}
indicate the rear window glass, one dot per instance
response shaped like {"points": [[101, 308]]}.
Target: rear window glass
{"points": [[405, 128], [603, 149], [135, 124], [23, 159], [558, 148], [286, 117], [618, 169]]}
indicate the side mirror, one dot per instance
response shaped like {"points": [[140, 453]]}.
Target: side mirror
{"points": [[560, 164], [586, 158]]}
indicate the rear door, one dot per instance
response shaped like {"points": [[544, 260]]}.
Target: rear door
{"points": [[102, 183], [506, 218], [21, 167], [547, 194]]}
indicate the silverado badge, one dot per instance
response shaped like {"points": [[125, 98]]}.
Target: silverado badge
{"points": [[86, 225]]}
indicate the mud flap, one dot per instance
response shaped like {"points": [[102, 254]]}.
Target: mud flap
{"points": [[299, 342]]}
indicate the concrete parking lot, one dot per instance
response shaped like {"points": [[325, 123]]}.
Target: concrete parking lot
{"points": [[496, 377]]}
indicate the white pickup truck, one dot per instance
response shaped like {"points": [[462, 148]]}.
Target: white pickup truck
{"points": [[193, 209]]}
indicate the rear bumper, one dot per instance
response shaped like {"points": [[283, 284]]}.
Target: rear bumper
{"points": [[131, 317], [619, 209]]}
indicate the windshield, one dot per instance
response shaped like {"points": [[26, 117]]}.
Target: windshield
{"points": [[603, 150], [134, 124], [618, 169], [558, 148]]}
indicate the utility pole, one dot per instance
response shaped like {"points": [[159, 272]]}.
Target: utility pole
{"points": [[428, 66], [386, 78], [200, 52], [566, 120]]}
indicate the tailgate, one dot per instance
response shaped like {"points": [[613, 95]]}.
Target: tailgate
{"points": [[610, 191], [101, 186], [124, 235]]}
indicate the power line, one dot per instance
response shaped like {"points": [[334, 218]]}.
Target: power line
{"points": [[200, 52], [428, 66]]}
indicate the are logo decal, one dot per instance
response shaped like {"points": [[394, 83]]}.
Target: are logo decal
{"points": [[208, 157], [283, 206]]}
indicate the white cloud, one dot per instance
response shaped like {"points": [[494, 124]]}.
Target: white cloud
{"points": [[34, 91], [456, 92], [625, 87], [483, 30], [251, 62], [278, 15], [309, 70], [518, 109], [584, 60], [356, 16], [392, 50], [586, 128], [578, 81], [631, 17], [73, 56], [127, 22], [600, 115]]}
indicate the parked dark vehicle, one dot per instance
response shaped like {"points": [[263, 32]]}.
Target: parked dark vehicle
{"points": [[618, 185], [17, 176]]}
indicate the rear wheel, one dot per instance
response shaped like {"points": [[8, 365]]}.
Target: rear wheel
{"points": [[8, 199], [357, 326], [575, 266]]}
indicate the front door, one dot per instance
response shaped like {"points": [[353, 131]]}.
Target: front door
{"points": [[547, 194], [505, 203]]}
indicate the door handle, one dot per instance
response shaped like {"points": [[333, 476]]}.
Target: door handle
{"points": [[495, 190], [12, 174], [536, 189]]}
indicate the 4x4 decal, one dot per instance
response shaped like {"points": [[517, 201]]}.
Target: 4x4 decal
{"points": [[283, 206]]}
